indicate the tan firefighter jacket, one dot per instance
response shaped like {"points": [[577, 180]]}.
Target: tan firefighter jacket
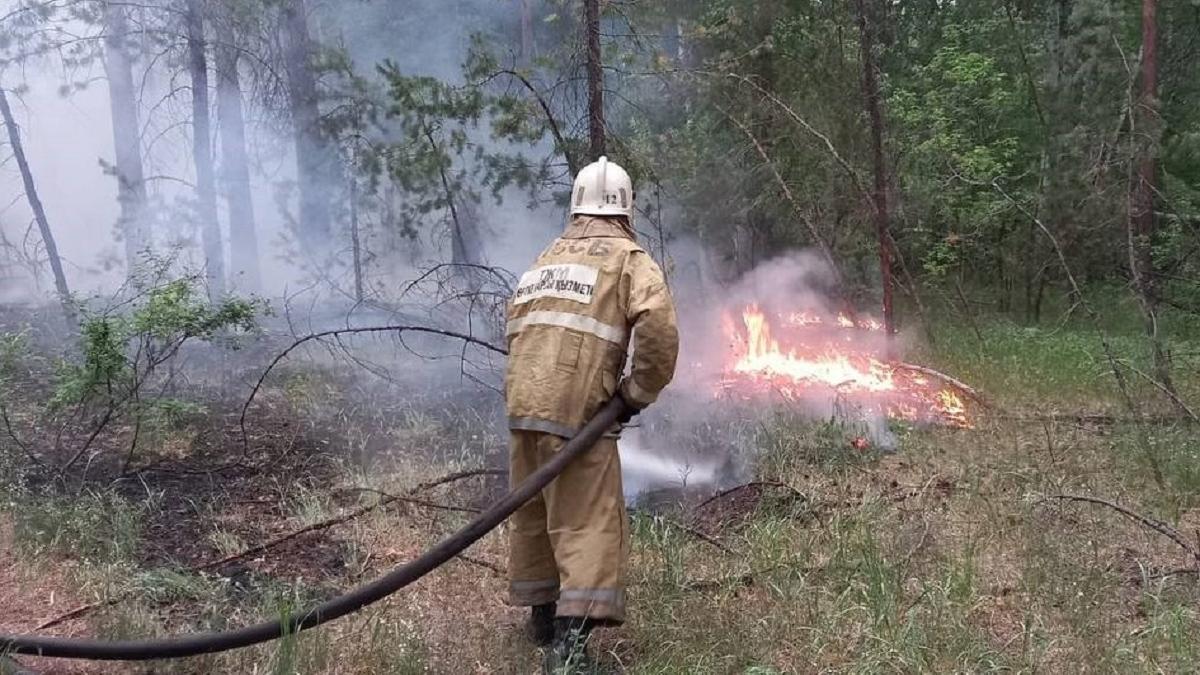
{"points": [[570, 322]]}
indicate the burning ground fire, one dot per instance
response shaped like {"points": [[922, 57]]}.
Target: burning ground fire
{"points": [[824, 355]]}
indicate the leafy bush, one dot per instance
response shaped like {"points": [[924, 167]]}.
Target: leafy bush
{"points": [[121, 348], [121, 372]]}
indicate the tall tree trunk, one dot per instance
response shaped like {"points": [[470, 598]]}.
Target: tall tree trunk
{"points": [[206, 187], [131, 181], [314, 156], [1141, 222], [235, 170], [871, 98], [595, 77], [355, 241], [1053, 202], [463, 245], [35, 205], [527, 44]]}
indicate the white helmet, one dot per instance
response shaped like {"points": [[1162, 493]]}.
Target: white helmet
{"points": [[602, 188]]}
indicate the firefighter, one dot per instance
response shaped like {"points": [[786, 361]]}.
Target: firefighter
{"points": [[590, 294]]}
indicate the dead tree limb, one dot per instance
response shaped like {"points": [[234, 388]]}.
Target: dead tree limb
{"points": [[1152, 523], [12, 433], [413, 500], [560, 141], [325, 524], [822, 245], [400, 330], [480, 562], [693, 532], [338, 520], [957, 384], [35, 205], [506, 282], [455, 477], [1167, 390], [833, 152]]}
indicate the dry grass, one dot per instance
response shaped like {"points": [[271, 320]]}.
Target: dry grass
{"points": [[941, 558]]}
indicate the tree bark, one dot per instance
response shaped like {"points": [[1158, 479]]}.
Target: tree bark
{"points": [[35, 205], [235, 170], [527, 43], [355, 241], [314, 156], [595, 77], [1141, 222], [206, 188], [879, 197], [464, 248], [131, 181]]}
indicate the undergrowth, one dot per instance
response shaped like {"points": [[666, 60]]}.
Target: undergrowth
{"points": [[946, 556]]}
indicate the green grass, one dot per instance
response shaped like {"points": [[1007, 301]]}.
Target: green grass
{"points": [[941, 558], [981, 576], [1064, 364], [95, 526]]}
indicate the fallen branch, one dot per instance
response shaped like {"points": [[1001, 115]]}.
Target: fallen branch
{"points": [[479, 562], [688, 529], [1167, 391], [1152, 523], [957, 384], [338, 520], [457, 476], [80, 611], [325, 524], [413, 500]]}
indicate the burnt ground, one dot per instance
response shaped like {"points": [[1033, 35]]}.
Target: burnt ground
{"points": [[203, 477]]}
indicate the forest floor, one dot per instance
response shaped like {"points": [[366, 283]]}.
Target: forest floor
{"points": [[951, 555]]}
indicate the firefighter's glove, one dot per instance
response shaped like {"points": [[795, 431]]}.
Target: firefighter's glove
{"points": [[628, 412]]}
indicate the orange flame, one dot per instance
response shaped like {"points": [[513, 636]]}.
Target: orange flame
{"points": [[765, 357], [805, 319], [864, 379]]}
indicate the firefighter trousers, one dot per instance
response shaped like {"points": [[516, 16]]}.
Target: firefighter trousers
{"points": [[570, 544]]}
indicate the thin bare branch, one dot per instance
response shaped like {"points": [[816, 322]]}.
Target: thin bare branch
{"points": [[1152, 523]]}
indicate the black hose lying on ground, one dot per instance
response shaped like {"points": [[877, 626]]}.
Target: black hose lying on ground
{"points": [[207, 643]]}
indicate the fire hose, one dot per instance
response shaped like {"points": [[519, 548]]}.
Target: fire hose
{"points": [[352, 601]]}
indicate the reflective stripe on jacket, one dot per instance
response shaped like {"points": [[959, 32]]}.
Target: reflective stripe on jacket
{"points": [[570, 323]]}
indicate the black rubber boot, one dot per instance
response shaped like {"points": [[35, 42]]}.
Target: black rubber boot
{"points": [[541, 624], [568, 654]]}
